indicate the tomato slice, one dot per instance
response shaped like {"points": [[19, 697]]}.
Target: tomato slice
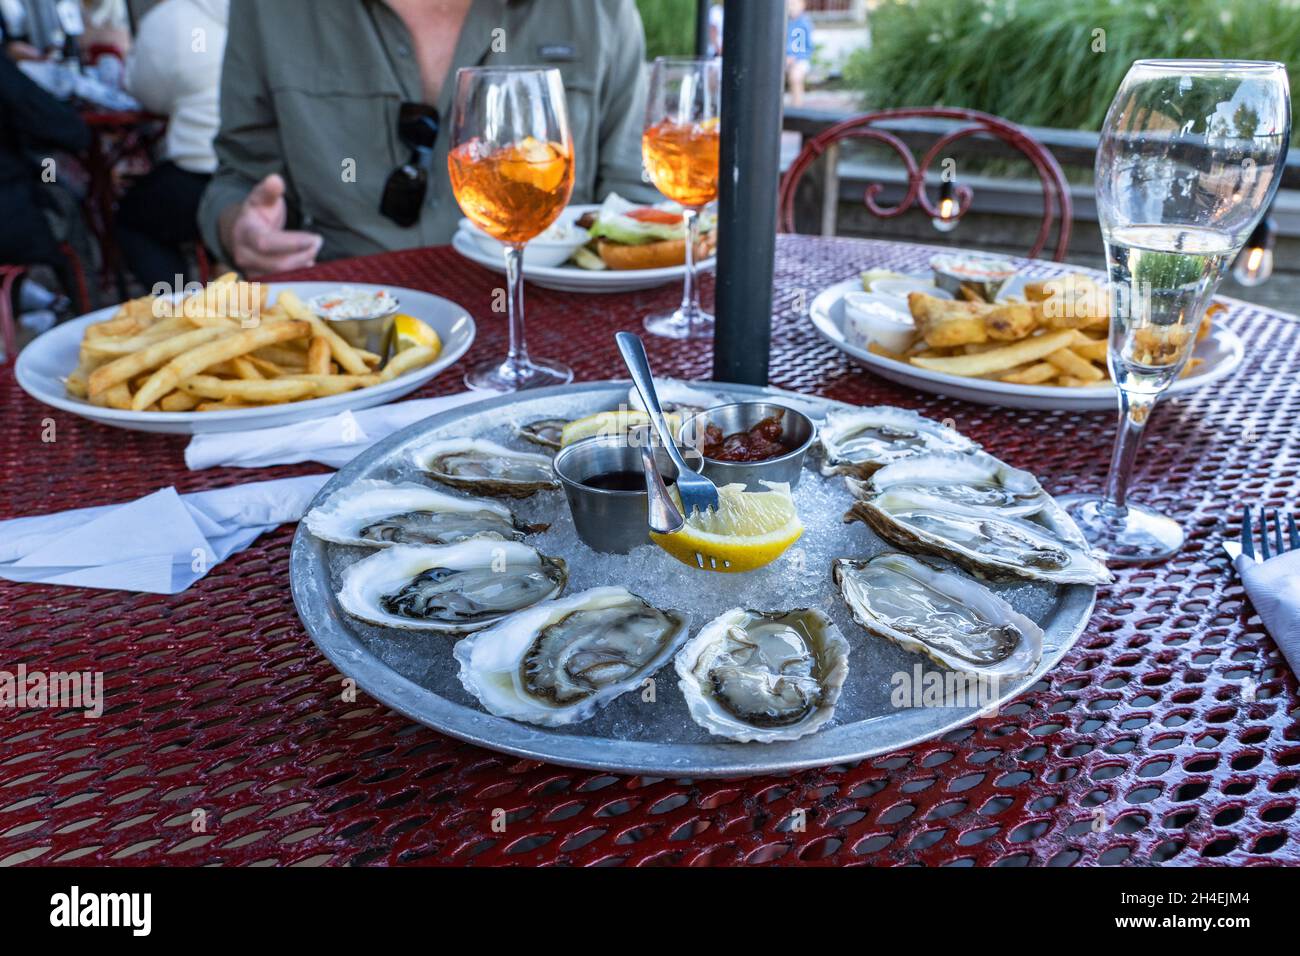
{"points": [[650, 214]]}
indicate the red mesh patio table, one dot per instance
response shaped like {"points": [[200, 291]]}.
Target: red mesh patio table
{"points": [[1168, 734]]}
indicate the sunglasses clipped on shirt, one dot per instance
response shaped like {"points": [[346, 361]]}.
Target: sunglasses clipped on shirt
{"points": [[408, 184]]}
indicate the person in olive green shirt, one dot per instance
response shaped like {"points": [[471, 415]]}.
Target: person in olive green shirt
{"points": [[312, 92]]}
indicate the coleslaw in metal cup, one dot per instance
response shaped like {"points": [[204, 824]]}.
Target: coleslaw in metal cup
{"points": [[364, 317], [982, 275]]}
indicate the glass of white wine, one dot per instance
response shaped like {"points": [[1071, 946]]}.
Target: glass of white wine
{"points": [[1190, 156]]}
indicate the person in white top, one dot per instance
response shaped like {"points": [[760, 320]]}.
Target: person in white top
{"points": [[174, 70]]}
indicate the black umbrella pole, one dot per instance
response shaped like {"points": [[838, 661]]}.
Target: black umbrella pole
{"points": [[702, 27], [753, 66]]}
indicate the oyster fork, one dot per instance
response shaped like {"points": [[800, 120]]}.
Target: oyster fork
{"points": [[1279, 546], [696, 491]]}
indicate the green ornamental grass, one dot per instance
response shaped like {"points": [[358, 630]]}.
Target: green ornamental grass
{"points": [[1044, 62]]}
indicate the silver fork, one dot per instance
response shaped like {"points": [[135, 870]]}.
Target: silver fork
{"points": [[697, 492], [1280, 546]]}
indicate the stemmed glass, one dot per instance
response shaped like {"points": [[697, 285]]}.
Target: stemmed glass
{"points": [[680, 150], [1189, 159], [511, 169]]}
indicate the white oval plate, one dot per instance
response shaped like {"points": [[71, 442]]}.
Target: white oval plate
{"points": [[570, 278], [1222, 351], [42, 366]]}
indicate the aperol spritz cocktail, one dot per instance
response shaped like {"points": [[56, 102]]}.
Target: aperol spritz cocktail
{"points": [[511, 170], [679, 147], [682, 160]]}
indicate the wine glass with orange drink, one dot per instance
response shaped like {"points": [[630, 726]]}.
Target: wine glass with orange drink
{"points": [[511, 170], [680, 150]]}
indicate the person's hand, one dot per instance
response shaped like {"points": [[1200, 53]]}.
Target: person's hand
{"points": [[18, 51], [253, 232]]}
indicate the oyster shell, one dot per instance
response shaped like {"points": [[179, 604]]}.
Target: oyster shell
{"points": [[377, 514], [546, 432], [858, 441], [946, 615], [676, 397], [763, 676], [455, 587], [484, 467], [976, 483], [1044, 545], [561, 661]]}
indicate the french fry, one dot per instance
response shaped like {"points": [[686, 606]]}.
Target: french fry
{"points": [[1094, 350], [128, 366], [343, 353], [266, 367], [1039, 373], [283, 356], [115, 396], [318, 356], [999, 360], [1074, 366], [195, 360], [178, 401], [259, 391], [224, 405], [334, 384], [245, 369], [405, 360]]}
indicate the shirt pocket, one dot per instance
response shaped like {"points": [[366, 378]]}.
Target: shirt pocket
{"points": [[339, 144]]}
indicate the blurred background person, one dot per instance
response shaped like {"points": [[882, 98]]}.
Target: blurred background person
{"points": [[326, 105], [715, 30], [32, 123], [174, 70], [106, 24], [798, 49]]}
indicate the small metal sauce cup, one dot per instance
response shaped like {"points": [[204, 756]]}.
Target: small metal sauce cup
{"points": [[374, 333], [609, 520], [797, 432]]}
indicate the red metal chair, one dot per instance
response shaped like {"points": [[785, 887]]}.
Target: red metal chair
{"points": [[1056, 194], [11, 275]]}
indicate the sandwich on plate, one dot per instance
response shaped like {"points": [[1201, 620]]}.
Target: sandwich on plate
{"points": [[627, 236]]}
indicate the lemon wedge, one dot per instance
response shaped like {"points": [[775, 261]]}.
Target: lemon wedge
{"points": [[410, 332], [749, 530], [611, 423]]}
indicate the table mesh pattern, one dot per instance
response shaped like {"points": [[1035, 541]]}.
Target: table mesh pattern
{"points": [[1169, 733]]}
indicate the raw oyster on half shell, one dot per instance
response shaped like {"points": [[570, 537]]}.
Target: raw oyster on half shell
{"points": [[457, 587], [378, 514], [763, 676], [949, 616], [975, 515], [547, 432], [559, 662], [484, 467], [858, 441]]}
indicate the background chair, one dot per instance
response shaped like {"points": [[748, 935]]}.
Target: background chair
{"points": [[867, 127]]}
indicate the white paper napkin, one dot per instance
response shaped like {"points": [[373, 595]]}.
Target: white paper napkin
{"points": [[161, 543], [332, 441], [1274, 589]]}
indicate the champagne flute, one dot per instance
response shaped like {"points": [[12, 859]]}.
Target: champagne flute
{"points": [[511, 170], [1190, 156], [680, 151]]}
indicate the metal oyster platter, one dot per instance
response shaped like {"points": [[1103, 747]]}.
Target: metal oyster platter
{"points": [[883, 705]]}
